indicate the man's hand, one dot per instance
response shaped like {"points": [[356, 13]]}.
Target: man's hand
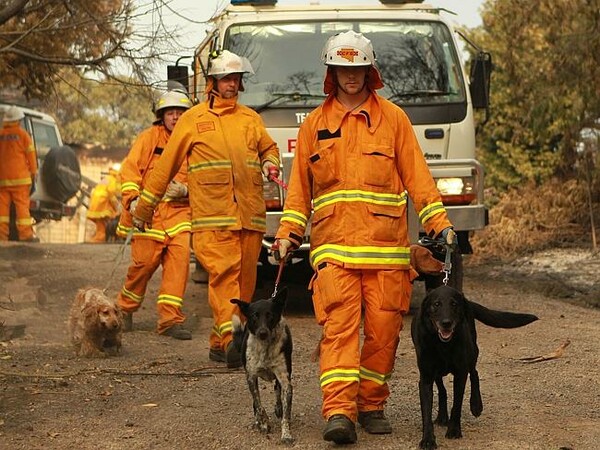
{"points": [[175, 190], [270, 170], [138, 224], [450, 237], [281, 248], [141, 214]]}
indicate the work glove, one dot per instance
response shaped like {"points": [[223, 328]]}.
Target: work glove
{"points": [[450, 237], [270, 170], [281, 248], [133, 204], [175, 189], [138, 223]]}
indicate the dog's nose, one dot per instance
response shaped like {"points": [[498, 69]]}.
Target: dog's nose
{"points": [[446, 324], [262, 334]]}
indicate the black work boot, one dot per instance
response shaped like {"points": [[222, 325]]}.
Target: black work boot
{"points": [[216, 355], [127, 321], [178, 331], [340, 430], [374, 422]]}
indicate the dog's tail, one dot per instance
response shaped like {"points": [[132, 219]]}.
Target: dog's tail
{"points": [[500, 319], [238, 331]]}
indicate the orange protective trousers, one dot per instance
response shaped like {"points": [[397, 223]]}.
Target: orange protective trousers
{"points": [[19, 195], [100, 235], [146, 256], [354, 379], [230, 258]]}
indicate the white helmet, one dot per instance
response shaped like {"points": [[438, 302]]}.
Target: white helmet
{"points": [[348, 49], [172, 99], [227, 62], [12, 114]]}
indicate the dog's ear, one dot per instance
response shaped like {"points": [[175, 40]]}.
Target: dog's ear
{"points": [[241, 304]]}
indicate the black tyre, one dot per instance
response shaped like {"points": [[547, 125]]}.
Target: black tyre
{"points": [[61, 174]]}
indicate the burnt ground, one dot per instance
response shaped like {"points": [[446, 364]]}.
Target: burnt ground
{"points": [[162, 393]]}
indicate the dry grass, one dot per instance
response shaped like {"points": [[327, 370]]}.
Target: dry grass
{"points": [[532, 218]]}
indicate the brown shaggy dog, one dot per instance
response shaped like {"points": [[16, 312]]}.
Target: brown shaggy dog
{"points": [[95, 324]]}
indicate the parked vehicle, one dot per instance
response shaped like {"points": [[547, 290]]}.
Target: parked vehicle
{"points": [[59, 175], [421, 63]]}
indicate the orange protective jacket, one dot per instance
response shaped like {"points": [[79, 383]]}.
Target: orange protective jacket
{"points": [[225, 144], [355, 170], [17, 153], [104, 202], [172, 216]]}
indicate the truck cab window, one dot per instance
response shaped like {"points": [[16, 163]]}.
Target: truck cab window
{"points": [[415, 57]]}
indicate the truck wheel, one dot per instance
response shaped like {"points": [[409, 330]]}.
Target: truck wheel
{"points": [[61, 174]]}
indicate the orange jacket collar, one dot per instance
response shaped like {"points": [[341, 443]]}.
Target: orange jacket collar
{"points": [[220, 105]]}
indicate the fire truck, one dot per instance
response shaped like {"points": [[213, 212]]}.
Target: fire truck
{"points": [[421, 62]]}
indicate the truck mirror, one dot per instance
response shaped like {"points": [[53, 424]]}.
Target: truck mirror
{"points": [[180, 74], [481, 69]]}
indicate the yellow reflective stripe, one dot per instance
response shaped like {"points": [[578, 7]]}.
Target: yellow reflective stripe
{"points": [[218, 221], [253, 163], [150, 198], [346, 375], [373, 376], [225, 327], [122, 230], [214, 164], [180, 227], [152, 233], [431, 210], [289, 215], [15, 182], [99, 214], [4, 219], [361, 254], [258, 221], [132, 296], [25, 221], [215, 330], [355, 195], [130, 186], [170, 300], [273, 159]]}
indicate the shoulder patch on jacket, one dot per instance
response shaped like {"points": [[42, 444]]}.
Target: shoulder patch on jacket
{"points": [[326, 134], [205, 126]]}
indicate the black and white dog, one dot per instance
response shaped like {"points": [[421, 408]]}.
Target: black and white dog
{"points": [[265, 344]]}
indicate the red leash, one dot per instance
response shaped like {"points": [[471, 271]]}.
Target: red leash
{"points": [[278, 279], [273, 173]]}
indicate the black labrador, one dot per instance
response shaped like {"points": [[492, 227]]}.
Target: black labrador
{"points": [[445, 340]]}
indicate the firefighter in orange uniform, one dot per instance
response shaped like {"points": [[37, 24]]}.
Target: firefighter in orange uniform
{"points": [[167, 242], [228, 150], [104, 203], [357, 161], [17, 172]]}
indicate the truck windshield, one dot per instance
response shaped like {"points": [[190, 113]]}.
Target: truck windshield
{"points": [[417, 61]]}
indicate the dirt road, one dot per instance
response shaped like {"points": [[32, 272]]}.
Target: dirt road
{"points": [[165, 394]]}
